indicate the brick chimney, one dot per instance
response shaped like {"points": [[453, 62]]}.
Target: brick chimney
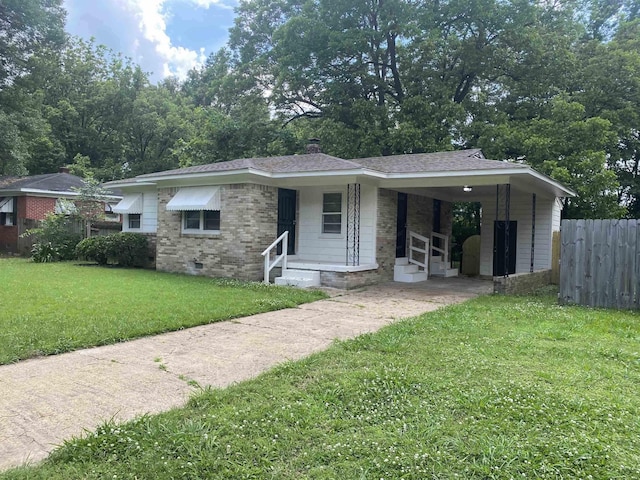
{"points": [[63, 170], [314, 146]]}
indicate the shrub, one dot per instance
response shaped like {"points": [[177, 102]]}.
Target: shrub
{"points": [[129, 249], [56, 239], [44, 252], [94, 248], [124, 249]]}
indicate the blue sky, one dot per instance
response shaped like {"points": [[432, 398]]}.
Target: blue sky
{"points": [[164, 37]]}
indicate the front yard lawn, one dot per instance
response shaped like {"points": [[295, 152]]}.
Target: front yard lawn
{"points": [[497, 388], [56, 307]]}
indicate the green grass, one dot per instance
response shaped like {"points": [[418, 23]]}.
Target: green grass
{"points": [[56, 307], [499, 387]]}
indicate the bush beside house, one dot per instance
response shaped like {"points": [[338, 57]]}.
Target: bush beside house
{"points": [[124, 249]]}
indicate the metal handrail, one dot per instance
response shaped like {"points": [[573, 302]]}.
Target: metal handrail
{"points": [[425, 251], [268, 266]]}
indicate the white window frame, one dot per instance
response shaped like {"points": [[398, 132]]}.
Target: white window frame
{"points": [[325, 214], [9, 220], [129, 227], [200, 230]]}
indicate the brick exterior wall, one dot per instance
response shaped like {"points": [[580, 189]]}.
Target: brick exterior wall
{"points": [[35, 208], [386, 222], [248, 224], [8, 238], [521, 283], [420, 214], [28, 208]]}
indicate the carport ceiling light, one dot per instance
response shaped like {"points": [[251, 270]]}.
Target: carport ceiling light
{"points": [[467, 188]]}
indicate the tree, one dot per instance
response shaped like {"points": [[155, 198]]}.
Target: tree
{"points": [[26, 27], [568, 145], [611, 90]]}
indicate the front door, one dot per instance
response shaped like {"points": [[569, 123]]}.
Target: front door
{"points": [[437, 209], [401, 227], [499, 242], [287, 218]]}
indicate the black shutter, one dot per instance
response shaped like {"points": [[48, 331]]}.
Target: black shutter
{"points": [[15, 211]]}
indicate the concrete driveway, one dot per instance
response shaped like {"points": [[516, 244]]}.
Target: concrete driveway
{"points": [[46, 400]]}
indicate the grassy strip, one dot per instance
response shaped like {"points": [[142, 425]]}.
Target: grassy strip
{"points": [[58, 307], [495, 388]]}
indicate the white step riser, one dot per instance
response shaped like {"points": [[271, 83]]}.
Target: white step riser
{"points": [[405, 269], [402, 261], [308, 274], [410, 277], [449, 272], [299, 278], [296, 282]]}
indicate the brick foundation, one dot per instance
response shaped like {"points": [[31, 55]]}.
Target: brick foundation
{"points": [[348, 280], [521, 283]]}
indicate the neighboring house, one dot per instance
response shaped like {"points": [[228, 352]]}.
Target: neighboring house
{"points": [[350, 222], [25, 200]]}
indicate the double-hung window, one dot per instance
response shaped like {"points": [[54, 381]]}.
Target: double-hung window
{"points": [[134, 221], [131, 207], [7, 211], [201, 220], [332, 213]]}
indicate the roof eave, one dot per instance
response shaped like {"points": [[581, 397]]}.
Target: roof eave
{"points": [[133, 183], [556, 185]]}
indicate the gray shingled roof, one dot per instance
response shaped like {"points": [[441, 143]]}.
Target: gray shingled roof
{"points": [[454, 161], [6, 180], [312, 162], [56, 182], [459, 160]]}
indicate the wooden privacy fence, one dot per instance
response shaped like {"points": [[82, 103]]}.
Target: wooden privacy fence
{"points": [[600, 263]]}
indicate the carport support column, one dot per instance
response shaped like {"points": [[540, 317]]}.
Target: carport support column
{"points": [[353, 224], [533, 230]]}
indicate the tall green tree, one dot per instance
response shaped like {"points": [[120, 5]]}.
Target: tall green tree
{"points": [[611, 90], [26, 27]]}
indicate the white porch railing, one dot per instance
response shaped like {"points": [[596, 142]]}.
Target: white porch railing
{"points": [[415, 240], [441, 251], [268, 264]]}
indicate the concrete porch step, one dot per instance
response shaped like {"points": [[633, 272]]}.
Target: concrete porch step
{"points": [[405, 269], [447, 272], [410, 277], [405, 272], [299, 278], [439, 269]]}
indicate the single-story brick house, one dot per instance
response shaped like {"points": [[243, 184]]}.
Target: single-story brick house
{"points": [[26, 199], [349, 222]]}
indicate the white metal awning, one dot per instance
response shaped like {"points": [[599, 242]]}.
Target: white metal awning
{"points": [[129, 204], [6, 205], [195, 198]]}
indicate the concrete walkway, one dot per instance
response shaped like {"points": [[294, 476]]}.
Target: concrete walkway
{"points": [[46, 400]]}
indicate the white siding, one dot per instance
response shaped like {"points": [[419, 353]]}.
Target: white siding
{"points": [[521, 212], [313, 245], [149, 217]]}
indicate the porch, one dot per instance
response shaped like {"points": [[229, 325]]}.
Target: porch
{"points": [[424, 260]]}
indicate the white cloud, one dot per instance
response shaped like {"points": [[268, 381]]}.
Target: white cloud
{"points": [[209, 3], [177, 60], [156, 34]]}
